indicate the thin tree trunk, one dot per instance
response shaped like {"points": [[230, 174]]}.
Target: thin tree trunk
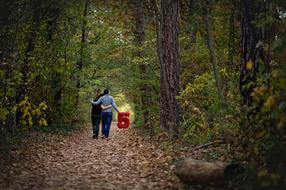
{"points": [[82, 47], [169, 113], [57, 83], [23, 89], [157, 14], [12, 120], [140, 38], [31, 43], [231, 41], [211, 48], [193, 31]]}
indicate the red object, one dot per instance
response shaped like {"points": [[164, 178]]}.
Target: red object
{"points": [[123, 120]]}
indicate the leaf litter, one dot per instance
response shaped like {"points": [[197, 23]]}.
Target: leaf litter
{"points": [[76, 161]]}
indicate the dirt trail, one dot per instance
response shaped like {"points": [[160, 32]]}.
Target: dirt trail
{"points": [[125, 161]]}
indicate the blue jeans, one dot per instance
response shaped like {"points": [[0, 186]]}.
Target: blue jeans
{"points": [[106, 122]]}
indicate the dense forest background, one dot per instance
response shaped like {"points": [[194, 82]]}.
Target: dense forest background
{"points": [[200, 70]]}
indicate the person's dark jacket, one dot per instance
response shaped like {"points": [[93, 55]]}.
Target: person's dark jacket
{"points": [[96, 109]]}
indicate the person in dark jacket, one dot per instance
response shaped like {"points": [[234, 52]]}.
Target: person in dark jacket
{"points": [[96, 113]]}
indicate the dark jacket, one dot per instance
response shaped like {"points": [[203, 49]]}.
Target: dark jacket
{"points": [[96, 109]]}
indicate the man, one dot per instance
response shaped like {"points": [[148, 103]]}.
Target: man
{"points": [[105, 101], [96, 113]]}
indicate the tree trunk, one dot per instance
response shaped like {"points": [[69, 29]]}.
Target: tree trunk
{"points": [[169, 114], [10, 56], [52, 22], [192, 5], [143, 68], [8, 18], [12, 119], [158, 31], [208, 173], [31, 44], [23, 89], [82, 47], [139, 18], [211, 48], [253, 41], [57, 83], [158, 20], [231, 38]]}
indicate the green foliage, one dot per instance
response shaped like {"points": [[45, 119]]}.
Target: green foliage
{"points": [[267, 131], [50, 66], [264, 136], [203, 116]]}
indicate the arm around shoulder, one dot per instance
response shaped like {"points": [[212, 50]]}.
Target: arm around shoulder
{"points": [[97, 102]]}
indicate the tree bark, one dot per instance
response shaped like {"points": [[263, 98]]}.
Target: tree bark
{"points": [[192, 5], [211, 48], [31, 44], [23, 89], [8, 18], [52, 22], [208, 173], [157, 14], [57, 83], [169, 114], [140, 21], [82, 47], [145, 96], [10, 57], [253, 41], [231, 38]]}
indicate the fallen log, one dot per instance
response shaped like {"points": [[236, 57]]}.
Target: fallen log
{"points": [[193, 171]]}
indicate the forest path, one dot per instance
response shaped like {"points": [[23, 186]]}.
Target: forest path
{"points": [[76, 161]]}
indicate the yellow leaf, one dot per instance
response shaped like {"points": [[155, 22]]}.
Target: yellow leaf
{"points": [[260, 91], [270, 102], [263, 173], [37, 112], [43, 122], [281, 123], [249, 65], [30, 121]]}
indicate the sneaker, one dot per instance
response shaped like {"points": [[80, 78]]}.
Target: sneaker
{"points": [[102, 136]]}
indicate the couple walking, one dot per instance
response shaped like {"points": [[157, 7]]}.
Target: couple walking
{"points": [[102, 110]]}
